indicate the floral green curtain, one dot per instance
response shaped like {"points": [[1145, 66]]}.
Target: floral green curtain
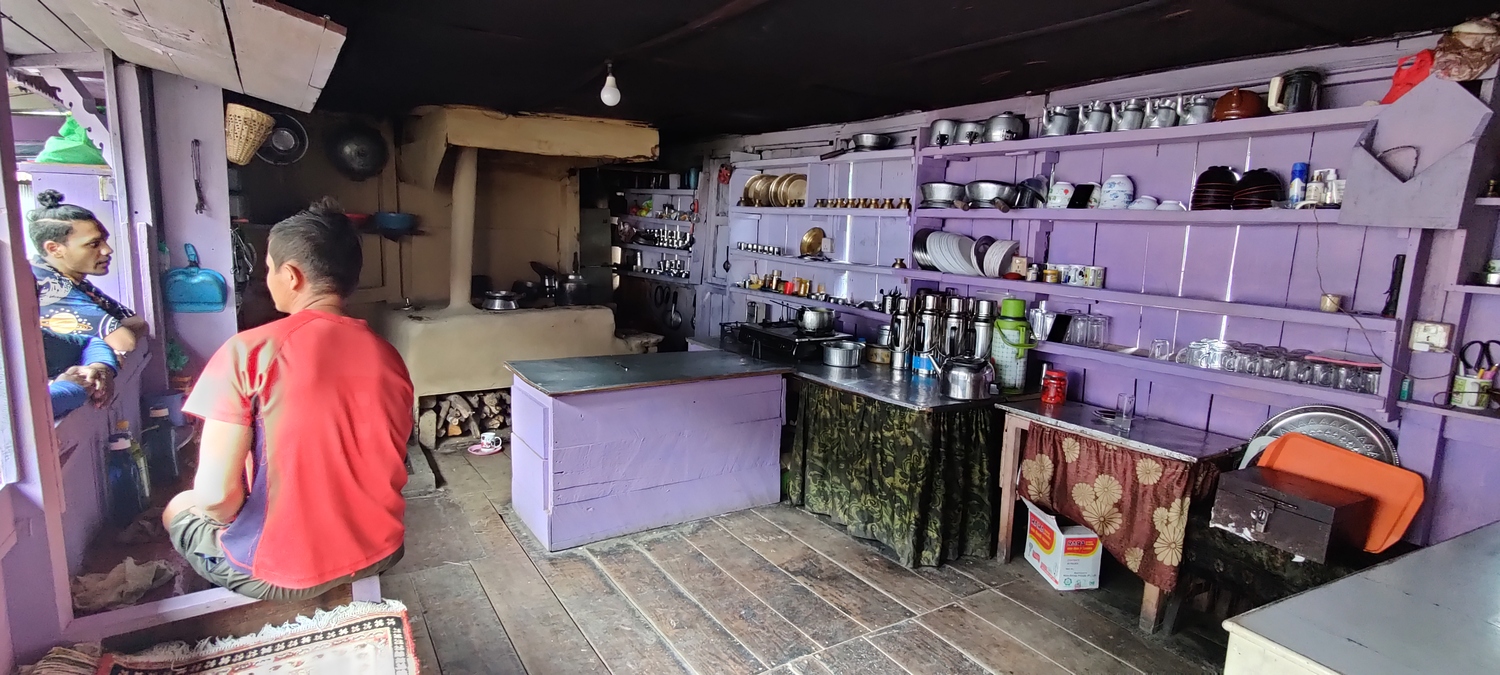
{"points": [[922, 483]]}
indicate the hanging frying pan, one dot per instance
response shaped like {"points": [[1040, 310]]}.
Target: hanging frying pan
{"points": [[286, 143], [194, 290]]}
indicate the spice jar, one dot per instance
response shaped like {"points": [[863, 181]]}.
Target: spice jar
{"points": [[1054, 387]]}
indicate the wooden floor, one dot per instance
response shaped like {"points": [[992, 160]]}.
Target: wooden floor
{"points": [[771, 590]]}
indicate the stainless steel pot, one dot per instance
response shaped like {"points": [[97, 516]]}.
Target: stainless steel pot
{"points": [[815, 320], [969, 133], [982, 193], [942, 192], [943, 132], [842, 353], [573, 291], [966, 379], [501, 300], [1006, 126]]}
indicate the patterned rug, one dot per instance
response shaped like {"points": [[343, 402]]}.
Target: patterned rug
{"points": [[360, 637]]}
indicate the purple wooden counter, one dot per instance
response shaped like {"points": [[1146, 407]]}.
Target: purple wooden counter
{"points": [[609, 445]]}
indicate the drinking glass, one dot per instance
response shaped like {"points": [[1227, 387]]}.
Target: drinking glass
{"points": [[1372, 381], [1161, 350], [1124, 411]]}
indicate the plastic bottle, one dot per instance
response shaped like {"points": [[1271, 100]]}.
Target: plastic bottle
{"points": [[161, 452], [143, 466], [1296, 190], [122, 481]]}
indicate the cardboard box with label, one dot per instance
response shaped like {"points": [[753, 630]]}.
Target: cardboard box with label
{"points": [[1067, 556]]}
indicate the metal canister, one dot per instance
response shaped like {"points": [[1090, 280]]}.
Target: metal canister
{"points": [[883, 337]]}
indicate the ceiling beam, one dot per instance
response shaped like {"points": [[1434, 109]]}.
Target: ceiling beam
{"points": [[725, 12], [90, 61], [1111, 15]]}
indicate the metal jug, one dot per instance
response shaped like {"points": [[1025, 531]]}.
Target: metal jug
{"points": [[1095, 118], [1200, 110], [927, 335], [1160, 115], [902, 334], [967, 378], [1131, 116], [1059, 121]]}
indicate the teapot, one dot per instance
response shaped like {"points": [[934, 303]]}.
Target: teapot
{"points": [[1161, 115], [1059, 121], [1198, 111], [966, 378], [1094, 118], [1131, 116]]}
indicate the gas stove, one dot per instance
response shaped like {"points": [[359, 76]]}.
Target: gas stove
{"points": [[783, 339]]}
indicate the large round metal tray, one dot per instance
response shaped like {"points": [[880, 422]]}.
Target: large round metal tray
{"points": [[1339, 426]]}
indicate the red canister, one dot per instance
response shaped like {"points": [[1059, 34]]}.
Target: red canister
{"points": [[1054, 387]]}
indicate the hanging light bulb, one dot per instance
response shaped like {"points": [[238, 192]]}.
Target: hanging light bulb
{"points": [[610, 94]]}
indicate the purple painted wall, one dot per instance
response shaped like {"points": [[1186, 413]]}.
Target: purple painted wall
{"points": [[187, 110], [34, 128]]}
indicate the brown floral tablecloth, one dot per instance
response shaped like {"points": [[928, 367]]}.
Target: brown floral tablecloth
{"points": [[1136, 503]]}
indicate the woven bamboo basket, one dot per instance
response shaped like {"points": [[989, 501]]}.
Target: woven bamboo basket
{"points": [[244, 130]]}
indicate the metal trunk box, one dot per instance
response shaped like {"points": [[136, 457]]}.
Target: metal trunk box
{"points": [[1292, 513]]}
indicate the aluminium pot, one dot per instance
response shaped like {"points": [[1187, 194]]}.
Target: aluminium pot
{"points": [[842, 353], [1006, 126], [942, 133], [942, 192], [497, 301], [872, 141], [815, 320]]}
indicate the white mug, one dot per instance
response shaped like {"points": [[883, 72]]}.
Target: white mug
{"points": [[489, 439], [1060, 195]]}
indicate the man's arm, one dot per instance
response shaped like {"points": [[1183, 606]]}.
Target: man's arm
{"points": [[122, 339], [219, 486]]}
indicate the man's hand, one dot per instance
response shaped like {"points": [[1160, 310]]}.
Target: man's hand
{"points": [[101, 383], [77, 376]]}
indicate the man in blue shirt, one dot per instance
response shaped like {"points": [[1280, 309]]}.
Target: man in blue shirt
{"points": [[72, 245]]}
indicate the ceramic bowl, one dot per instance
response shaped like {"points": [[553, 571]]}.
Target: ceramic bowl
{"points": [[1144, 203], [1171, 205]]}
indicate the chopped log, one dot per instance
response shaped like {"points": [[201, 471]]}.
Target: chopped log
{"points": [[471, 426], [427, 428], [455, 430], [493, 423], [490, 398], [427, 402], [473, 400], [458, 408]]}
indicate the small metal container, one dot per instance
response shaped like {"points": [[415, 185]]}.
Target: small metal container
{"points": [[842, 353], [878, 355]]}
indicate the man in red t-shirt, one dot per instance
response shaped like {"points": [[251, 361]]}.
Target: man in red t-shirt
{"points": [[306, 419]]}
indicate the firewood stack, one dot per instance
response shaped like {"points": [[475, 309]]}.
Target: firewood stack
{"points": [[453, 422]]}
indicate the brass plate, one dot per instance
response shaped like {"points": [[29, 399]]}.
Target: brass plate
{"points": [[755, 189], [795, 189], [812, 242], [778, 189]]}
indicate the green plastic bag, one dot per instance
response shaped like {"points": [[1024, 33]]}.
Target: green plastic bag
{"points": [[71, 145]]}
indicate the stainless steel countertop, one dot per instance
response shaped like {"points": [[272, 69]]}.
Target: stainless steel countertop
{"points": [[1433, 611], [897, 387], [587, 374], [1152, 437]]}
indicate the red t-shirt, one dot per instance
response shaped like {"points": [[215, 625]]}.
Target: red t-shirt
{"points": [[330, 403]]}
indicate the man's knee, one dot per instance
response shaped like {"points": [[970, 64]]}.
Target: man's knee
{"points": [[182, 502]]}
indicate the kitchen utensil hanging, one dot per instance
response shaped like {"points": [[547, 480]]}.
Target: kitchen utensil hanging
{"points": [[202, 204], [287, 142], [194, 290]]}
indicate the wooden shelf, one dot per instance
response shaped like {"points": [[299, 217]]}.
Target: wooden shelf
{"points": [[1487, 201], [1219, 377], [660, 221], [1291, 123], [658, 249], [857, 157], [679, 192], [809, 211], [794, 300], [1475, 290], [1486, 416], [1255, 217], [821, 264], [1310, 317]]}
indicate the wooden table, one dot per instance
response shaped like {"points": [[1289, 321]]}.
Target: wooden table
{"points": [[1432, 611], [1146, 436]]}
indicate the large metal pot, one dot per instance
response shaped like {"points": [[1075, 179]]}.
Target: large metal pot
{"points": [[842, 353], [943, 132], [991, 193], [1006, 126], [815, 320], [942, 192]]}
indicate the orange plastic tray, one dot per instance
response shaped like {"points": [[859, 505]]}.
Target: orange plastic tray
{"points": [[1397, 492]]}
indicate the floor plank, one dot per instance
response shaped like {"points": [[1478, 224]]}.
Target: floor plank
{"points": [[911, 590], [989, 571], [1121, 641], [986, 644], [701, 640], [921, 651], [764, 632], [469, 637], [1067, 649], [822, 576], [804, 609], [543, 633], [495, 469], [948, 578], [442, 528], [809, 666], [857, 657], [400, 587]]}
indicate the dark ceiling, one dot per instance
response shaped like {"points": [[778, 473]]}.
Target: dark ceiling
{"points": [[701, 67]]}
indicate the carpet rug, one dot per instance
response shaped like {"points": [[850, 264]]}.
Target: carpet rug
{"points": [[361, 637]]}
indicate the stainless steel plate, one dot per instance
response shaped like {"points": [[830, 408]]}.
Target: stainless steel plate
{"points": [[1339, 426]]}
